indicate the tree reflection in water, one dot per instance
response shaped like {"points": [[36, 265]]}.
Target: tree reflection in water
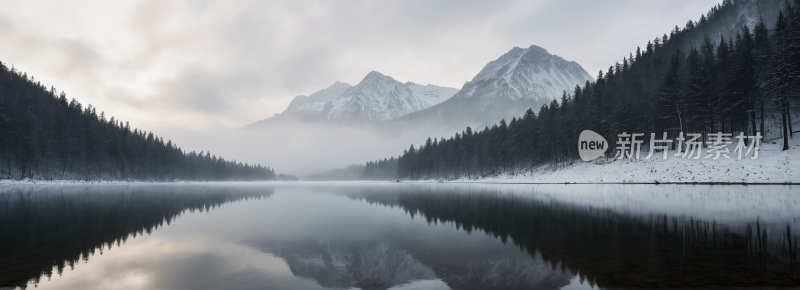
{"points": [[611, 236], [47, 227], [609, 247]]}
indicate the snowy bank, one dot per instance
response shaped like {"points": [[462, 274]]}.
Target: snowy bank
{"points": [[773, 165], [84, 182], [32, 181]]}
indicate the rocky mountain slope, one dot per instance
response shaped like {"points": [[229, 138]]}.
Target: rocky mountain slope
{"points": [[519, 79]]}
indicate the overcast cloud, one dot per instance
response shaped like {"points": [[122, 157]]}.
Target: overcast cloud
{"points": [[196, 66], [205, 64]]}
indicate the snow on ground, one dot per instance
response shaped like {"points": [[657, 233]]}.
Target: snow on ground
{"points": [[30, 181], [773, 165], [79, 182]]}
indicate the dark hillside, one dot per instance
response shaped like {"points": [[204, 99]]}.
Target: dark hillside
{"points": [[44, 136]]}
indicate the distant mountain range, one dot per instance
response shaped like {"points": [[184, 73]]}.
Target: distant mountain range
{"points": [[375, 99], [520, 79]]}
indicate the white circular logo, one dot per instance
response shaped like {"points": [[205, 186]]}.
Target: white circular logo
{"points": [[591, 145]]}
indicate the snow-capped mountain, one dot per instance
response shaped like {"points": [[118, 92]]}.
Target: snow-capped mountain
{"points": [[530, 73], [520, 79], [375, 99]]}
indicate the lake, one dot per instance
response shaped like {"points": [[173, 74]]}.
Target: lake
{"points": [[397, 236]]}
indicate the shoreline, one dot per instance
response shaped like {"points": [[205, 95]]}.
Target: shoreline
{"points": [[774, 166], [6, 182], [119, 182], [603, 183]]}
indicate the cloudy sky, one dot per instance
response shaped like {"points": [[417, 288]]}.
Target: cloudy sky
{"points": [[196, 65]]}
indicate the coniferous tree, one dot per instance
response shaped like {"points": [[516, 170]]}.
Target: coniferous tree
{"points": [[782, 72], [46, 137]]}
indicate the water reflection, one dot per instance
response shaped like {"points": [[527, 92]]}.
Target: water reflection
{"points": [[47, 227], [634, 236], [396, 236], [339, 264], [383, 265]]}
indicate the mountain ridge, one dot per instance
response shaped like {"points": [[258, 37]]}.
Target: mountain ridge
{"points": [[376, 98], [505, 87]]}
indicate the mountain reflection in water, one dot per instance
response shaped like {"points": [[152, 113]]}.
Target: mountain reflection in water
{"points": [[381, 236], [381, 266]]}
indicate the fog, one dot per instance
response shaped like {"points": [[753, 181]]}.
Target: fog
{"points": [[201, 64], [302, 148]]}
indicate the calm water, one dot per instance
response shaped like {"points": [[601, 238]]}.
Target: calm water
{"points": [[397, 236]]}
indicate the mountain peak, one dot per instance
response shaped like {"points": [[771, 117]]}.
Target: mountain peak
{"points": [[537, 48], [520, 78], [374, 75], [516, 49], [530, 62], [338, 84]]}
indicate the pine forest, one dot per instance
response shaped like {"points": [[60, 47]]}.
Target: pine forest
{"points": [[44, 136], [684, 81]]}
